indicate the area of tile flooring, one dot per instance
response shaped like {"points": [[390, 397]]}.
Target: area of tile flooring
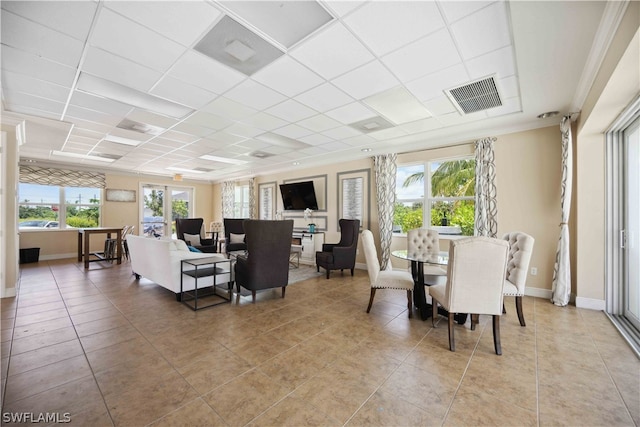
{"points": [[103, 349]]}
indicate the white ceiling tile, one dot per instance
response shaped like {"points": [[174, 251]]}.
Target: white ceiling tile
{"points": [[440, 106], [39, 40], [72, 18], [343, 132], [147, 117], [500, 62], [36, 67], [334, 146], [509, 106], [119, 70], [179, 136], [397, 105], [232, 110], [226, 137], [316, 139], [456, 118], [417, 59], [88, 126], [332, 52], [324, 98], [101, 104], [421, 125], [390, 133], [197, 69], [287, 76], [183, 93], [16, 108], [134, 41], [319, 123], [92, 115], [431, 85], [264, 121], [184, 22], [291, 110], [351, 113], [165, 143], [243, 130], [255, 95], [342, 7], [193, 129], [25, 84], [366, 80], [482, 32], [359, 140], [252, 144], [454, 10], [34, 102], [508, 87], [207, 120], [293, 131], [405, 21]]}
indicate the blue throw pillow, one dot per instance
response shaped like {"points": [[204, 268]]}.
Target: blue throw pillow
{"points": [[192, 249]]}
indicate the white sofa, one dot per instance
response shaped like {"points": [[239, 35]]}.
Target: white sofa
{"points": [[159, 260]]}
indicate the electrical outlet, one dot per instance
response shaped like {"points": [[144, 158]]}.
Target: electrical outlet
{"points": [[534, 271]]}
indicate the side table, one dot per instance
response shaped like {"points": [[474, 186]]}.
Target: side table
{"points": [[198, 269]]}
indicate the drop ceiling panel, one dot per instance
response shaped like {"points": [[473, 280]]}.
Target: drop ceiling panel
{"points": [[246, 131], [332, 52], [482, 32], [183, 22], [25, 84], [341, 7], [147, 117], [226, 137], [324, 98], [255, 95], [192, 129], [183, 93], [71, 18], [264, 121], [500, 62], [76, 112], [119, 70], [179, 136], [197, 69], [440, 106], [36, 39], [36, 67], [359, 140], [316, 139], [229, 109], [134, 41], [431, 85], [416, 59], [319, 123], [288, 77], [85, 100], [34, 102], [350, 113], [291, 110], [367, 80], [405, 22], [207, 120], [341, 132], [293, 131]]}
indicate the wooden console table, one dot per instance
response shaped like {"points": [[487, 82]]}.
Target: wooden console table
{"points": [[100, 256]]}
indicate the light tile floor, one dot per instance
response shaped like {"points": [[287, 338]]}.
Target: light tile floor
{"points": [[112, 351]]}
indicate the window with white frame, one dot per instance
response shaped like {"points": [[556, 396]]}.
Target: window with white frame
{"points": [[448, 191], [45, 207], [241, 201]]}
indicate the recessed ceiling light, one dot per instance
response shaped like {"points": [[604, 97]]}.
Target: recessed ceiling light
{"points": [[295, 163], [548, 114], [281, 141], [82, 156], [223, 159], [179, 169], [122, 140], [239, 50], [366, 150]]}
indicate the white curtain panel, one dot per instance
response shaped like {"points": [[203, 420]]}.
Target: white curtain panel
{"points": [[561, 287], [486, 212], [228, 196], [252, 198], [385, 172]]}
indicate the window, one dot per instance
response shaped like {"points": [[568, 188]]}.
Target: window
{"points": [[42, 207], [450, 196], [161, 202], [241, 201]]}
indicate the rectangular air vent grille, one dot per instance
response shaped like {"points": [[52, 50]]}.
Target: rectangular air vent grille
{"points": [[477, 96]]}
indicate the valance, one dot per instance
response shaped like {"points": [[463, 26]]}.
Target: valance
{"points": [[61, 177]]}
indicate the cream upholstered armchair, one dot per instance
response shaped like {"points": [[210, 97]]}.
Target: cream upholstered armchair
{"points": [[520, 250], [384, 279], [423, 241], [475, 282]]}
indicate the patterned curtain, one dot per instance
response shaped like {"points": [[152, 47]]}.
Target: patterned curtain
{"points": [[228, 198], [486, 214], [561, 287], [252, 198], [385, 171], [61, 177]]}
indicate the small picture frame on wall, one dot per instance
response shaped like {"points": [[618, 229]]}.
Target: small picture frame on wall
{"points": [[116, 195], [267, 200], [354, 196]]}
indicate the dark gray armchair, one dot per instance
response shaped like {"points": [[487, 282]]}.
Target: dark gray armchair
{"points": [[267, 263], [341, 255], [234, 226], [192, 227]]}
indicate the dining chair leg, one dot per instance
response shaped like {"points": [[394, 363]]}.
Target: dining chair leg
{"points": [[373, 294], [475, 319], [284, 288], [434, 311], [452, 344], [496, 335], [409, 304], [253, 296], [504, 310], [519, 310]]}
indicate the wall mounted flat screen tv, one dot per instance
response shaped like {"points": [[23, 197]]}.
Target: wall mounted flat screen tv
{"points": [[298, 196]]}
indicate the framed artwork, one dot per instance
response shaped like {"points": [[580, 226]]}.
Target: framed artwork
{"points": [[267, 200], [114, 195], [354, 196]]}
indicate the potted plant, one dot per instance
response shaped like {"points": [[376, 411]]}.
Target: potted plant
{"points": [[307, 217]]}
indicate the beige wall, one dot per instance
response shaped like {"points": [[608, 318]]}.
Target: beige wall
{"points": [[9, 184]]}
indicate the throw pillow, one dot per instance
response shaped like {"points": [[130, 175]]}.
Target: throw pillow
{"points": [[192, 239], [181, 245], [235, 238], [192, 249]]}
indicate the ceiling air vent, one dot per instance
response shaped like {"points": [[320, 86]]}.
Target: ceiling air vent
{"points": [[475, 96]]}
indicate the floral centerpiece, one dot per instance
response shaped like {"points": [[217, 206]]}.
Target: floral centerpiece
{"points": [[307, 217]]}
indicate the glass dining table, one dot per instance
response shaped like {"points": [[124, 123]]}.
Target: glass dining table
{"points": [[418, 261]]}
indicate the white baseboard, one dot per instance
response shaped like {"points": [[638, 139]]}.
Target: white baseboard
{"points": [[8, 292], [591, 303], [58, 256], [537, 292]]}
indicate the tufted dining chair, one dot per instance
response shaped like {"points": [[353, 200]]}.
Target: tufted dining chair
{"points": [[384, 279], [422, 241], [475, 282], [520, 250]]}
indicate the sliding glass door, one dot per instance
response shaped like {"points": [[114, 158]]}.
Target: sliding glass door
{"points": [[631, 231], [160, 205]]}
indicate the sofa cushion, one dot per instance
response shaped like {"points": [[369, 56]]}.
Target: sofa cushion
{"points": [[192, 239], [180, 245], [236, 238]]}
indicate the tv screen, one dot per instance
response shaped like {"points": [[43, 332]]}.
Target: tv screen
{"points": [[298, 196]]}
